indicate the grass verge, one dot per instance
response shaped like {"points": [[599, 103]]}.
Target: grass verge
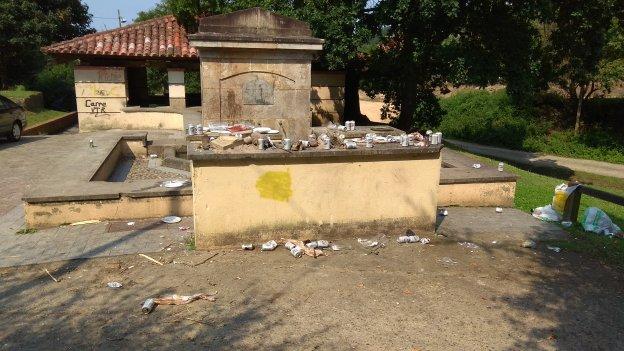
{"points": [[534, 190], [33, 118]]}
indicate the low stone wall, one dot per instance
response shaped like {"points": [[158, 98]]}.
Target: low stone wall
{"points": [[52, 126], [496, 194], [257, 199], [133, 119], [50, 214]]}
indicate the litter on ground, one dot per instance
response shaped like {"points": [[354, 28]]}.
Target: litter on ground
{"points": [[149, 304]]}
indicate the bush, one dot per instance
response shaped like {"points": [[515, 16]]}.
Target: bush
{"points": [[490, 118], [56, 82], [483, 117]]}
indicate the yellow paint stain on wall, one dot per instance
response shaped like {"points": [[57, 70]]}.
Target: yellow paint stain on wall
{"points": [[275, 186]]}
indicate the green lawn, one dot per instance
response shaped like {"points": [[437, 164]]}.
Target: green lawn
{"points": [[33, 118], [17, 94], [534, 190]]}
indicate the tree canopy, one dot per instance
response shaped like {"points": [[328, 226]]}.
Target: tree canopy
{"points": [[26, 26]]}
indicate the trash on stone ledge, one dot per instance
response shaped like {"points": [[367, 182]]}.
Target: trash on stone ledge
{"points": [[444, 212], [130, 223], [114, 285], [174, 299], [269, 246], [554, 248], [183, 228], [247, 246], [425, 240], [499, 210], [529, 244], [476, 165]]}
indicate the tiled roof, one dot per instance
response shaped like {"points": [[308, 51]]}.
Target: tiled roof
{"points": [[161, 37]]}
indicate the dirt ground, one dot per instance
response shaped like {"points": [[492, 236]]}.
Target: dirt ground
{"points": [[412, 297]]}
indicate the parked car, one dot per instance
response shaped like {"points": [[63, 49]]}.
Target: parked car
{"points": [[12, 119]]}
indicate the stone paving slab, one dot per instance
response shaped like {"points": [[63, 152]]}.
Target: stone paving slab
{"points": [[91, 240]]}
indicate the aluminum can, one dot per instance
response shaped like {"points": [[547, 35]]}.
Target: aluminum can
{"points": [[148, 306], [404, 140], [247, 246], [312, 244], [199, 129], [287, 144], [289, 245], [261, 144], [296, 251], [269, 246], [190, 129], [327, 143], [500, 166], [369, 141], [321, 244]]}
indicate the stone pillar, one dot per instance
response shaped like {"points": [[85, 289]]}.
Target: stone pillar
{"points": [[177, 92], [101, 94]]}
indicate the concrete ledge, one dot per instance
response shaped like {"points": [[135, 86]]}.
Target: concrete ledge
{"points": [[493, 194], [54, 125], [50, 214]]}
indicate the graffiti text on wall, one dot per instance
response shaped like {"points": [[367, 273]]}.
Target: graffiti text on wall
{"points": [[97, 107]]}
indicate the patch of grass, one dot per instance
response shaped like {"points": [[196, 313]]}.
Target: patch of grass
{"points": [[535, 190], [190, 243], [33, 118], [17, 93], [26, 231]]}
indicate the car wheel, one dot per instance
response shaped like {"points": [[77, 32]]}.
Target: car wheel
{"points": [[16, 132]]}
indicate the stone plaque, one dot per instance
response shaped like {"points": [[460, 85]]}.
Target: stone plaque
{"points": [[257, 92]]}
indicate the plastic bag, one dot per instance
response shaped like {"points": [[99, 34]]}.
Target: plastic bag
{"points": [[562, 192], [546, 213], [597, 221]]}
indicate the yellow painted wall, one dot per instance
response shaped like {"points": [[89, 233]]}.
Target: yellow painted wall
{"points": [[477, 194], [233, 200]]}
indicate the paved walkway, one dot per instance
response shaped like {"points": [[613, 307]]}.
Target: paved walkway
{"points": [[92, 240], [540, 160]]}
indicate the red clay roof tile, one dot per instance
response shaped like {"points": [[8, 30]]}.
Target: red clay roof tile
{"points": [[159, 37]]}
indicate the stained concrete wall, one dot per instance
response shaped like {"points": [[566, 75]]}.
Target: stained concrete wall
{"points": [[498, 194], [236, 201], [101, 93], [50, 214], [226, 74]]}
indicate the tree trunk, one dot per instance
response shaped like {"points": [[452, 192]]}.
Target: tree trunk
{"points": [[579, 110], [352, 96]]}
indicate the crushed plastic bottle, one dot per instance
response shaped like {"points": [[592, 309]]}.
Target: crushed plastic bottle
{"points": [[408, 239]]}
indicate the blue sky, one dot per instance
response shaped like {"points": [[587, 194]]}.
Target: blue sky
{"points": [[105, 11]]}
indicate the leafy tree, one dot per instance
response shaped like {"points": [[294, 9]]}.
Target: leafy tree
{"points": [[26, 26], [410, 63], [584, 48]]}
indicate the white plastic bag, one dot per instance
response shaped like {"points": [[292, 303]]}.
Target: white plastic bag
{"points": [[597, 221], [546, 213]]}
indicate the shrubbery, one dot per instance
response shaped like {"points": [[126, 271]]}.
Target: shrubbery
{"points": [[56, 82], [483, 117], [490, 118]]}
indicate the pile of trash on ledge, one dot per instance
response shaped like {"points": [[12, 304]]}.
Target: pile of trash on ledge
{"points": [[221, 136]]}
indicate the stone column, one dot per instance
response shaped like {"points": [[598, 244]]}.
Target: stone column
{"points": [[177, 92]]}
